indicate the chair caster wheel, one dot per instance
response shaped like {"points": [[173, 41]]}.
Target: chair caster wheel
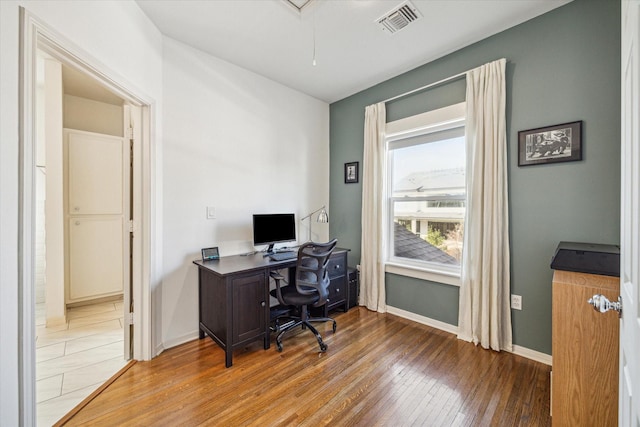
{"points": [[279, 347], [323, 347], [335, 325]]}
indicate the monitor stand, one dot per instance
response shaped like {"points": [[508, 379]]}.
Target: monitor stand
{"points": [[270, 249]]}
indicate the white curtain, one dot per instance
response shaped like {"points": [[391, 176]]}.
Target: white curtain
{"points": [[484, 313], [372, 291]]}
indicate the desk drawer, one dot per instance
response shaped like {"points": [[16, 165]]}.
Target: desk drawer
{"points": [[337, 270], [337, 266], [337, 291]]}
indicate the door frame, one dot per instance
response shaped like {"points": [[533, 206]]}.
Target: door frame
{"points": [[34, 36], [629, 364]]}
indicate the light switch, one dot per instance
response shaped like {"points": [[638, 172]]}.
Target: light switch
{"points": [[211, 212]]}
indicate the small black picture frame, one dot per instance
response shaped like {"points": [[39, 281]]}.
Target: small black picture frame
{"points": [[209, 254], [351, 172], [550, 144]]}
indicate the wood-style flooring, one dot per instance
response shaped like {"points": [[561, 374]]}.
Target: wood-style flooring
{"points": [[379, 370]]}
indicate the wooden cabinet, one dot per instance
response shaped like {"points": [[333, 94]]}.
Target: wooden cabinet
{"points": [[249, 301], [585, 351], [233, 309]]}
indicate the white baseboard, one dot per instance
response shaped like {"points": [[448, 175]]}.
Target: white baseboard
{"points": [[55, 321], [423, 320], [159, 349], [452, 329], [177, 341], [533, 355]]}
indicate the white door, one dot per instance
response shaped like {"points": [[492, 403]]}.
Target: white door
{"points": [[98, 212], [629, 393], [132, 130]]}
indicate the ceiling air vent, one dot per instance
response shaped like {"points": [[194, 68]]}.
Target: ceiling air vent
{"points": [[398, 18]]}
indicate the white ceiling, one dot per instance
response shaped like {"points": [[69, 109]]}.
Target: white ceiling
{"points": [[273, 39]]}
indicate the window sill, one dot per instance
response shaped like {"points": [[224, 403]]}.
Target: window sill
{"points": [[423, 273]]}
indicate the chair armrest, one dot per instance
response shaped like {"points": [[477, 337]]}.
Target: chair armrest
{"points": [[278, 278]]}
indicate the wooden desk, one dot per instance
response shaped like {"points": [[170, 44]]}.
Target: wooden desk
{"points": [[233, 297]]}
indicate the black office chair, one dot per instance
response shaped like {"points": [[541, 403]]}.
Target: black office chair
{"points": [[311, 289]]}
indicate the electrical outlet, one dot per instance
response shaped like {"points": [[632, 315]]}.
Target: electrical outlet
{"points": [[516, 302]]}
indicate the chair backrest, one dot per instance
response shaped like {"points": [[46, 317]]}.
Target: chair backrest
{"points": [[311, 269]]}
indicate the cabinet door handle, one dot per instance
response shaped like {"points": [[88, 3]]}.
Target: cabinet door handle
{"points": [[263, 304], [602, 304]]}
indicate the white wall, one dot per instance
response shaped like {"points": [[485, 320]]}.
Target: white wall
{"points": [[93, 116], [54, 211], [41, 182], [226, 137], [8, 214], [116, 34], [242, 144]]}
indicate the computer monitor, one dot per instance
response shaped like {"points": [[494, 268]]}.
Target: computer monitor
{"points": [[269, 229]]}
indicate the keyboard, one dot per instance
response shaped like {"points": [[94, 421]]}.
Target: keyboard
{"points": [[282, 256]]}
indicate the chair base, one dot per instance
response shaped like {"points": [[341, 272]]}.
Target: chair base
{"points": [[305, 323]]}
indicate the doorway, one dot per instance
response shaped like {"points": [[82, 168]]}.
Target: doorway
{"points": [[82, 250], [135, 307]]}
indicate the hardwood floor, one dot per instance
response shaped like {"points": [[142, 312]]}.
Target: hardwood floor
{"points": [[379, 370]]}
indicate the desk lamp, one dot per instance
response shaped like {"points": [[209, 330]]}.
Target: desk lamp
{"points": [[323, 217]]}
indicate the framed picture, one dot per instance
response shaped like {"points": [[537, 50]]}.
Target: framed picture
{"points": [[351, 173], [551, 144]]}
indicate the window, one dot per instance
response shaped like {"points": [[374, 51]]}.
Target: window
{"points": [[426, 191]]}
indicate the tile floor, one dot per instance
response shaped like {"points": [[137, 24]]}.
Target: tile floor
{"points": [[74, 359]]}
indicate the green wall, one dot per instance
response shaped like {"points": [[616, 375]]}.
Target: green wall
{"points": [[562, 66]]}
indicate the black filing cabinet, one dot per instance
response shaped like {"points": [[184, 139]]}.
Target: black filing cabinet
{"points": [[353, 288], [337, 269]]}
